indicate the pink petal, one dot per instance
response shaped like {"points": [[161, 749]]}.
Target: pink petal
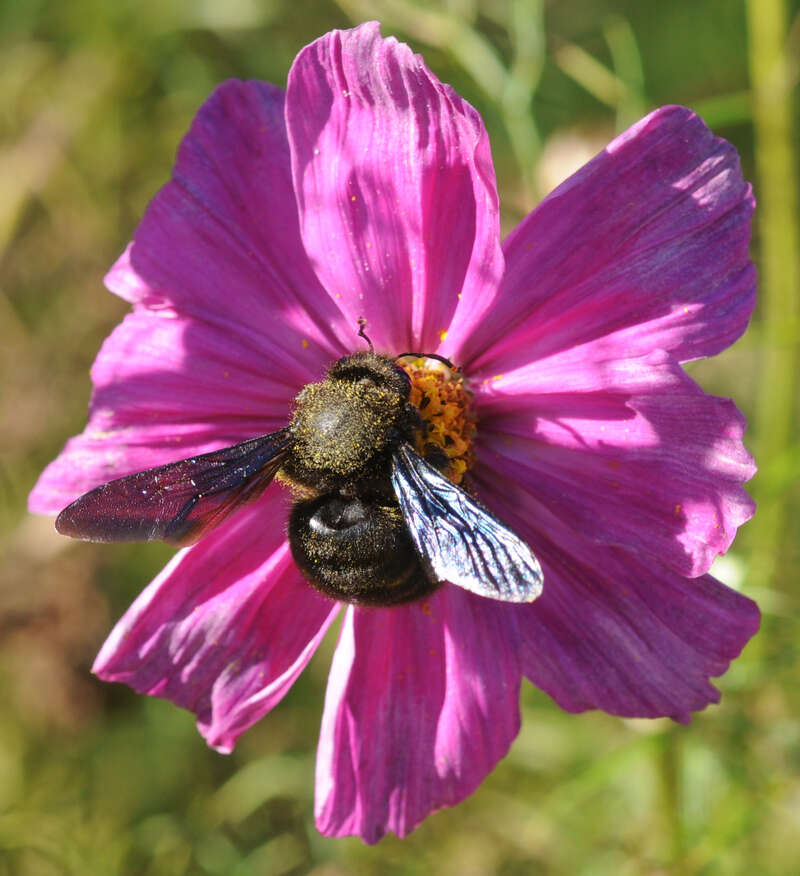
{"points": [[225, 629], [221, 240], [646, 247], [616, 631], [422, 702], [396, 189], [166, 387], [629, 453]]}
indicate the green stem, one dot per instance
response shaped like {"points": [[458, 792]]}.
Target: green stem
{"points": [[669, 769], [526, 32], [777, 193]]}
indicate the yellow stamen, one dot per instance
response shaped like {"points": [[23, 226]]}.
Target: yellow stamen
{"points": [[443, 402]]}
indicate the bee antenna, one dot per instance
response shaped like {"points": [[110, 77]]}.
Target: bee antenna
{"points": [[362, 324], [431, 356]]}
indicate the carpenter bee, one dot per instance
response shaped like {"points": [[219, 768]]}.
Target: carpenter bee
{"points": [[373, 522]]}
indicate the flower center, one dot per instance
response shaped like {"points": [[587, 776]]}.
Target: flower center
{"points": [[443, 401]]}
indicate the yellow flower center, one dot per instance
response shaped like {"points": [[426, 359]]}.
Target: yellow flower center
{"points": [[441, 396]]}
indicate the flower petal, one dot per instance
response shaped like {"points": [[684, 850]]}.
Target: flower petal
{"points": [[166, 387], [629, 453], [617, 632], [225, 629], [221, 240], [422, 702], [645, 247], [396, 190]]}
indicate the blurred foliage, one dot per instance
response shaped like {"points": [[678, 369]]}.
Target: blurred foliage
{"points": [[94, 97]]}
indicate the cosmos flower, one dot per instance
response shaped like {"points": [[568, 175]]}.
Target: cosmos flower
{"points": [[367, 189]]}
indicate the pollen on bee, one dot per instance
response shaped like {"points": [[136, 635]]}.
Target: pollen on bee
{"points": [[443, 401]]}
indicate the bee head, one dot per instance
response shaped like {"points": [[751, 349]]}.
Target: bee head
{"points": [[368, 369]]}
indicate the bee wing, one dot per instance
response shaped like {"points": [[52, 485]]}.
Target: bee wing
{"points": [[458, 539], [179, 502]]}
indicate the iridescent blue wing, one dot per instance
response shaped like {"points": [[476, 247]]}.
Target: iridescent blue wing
{"points": [[458, 540], [179, 502]]}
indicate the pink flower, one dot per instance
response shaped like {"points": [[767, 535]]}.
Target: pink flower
{"points": [[367, 189]]}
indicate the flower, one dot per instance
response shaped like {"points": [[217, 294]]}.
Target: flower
{"points": [[367, 189]]}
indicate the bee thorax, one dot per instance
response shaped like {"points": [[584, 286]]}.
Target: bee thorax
{"points": [[345, 426]]}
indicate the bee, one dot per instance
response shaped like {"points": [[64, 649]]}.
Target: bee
{"points": [[372, 522]]}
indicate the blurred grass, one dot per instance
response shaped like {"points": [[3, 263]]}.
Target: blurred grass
{"points": [[95, 780]]}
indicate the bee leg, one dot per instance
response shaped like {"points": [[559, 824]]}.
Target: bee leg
{"points": [[435, 456]]}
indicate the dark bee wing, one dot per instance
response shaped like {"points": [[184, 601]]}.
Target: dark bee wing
{"points": [[179, 502], [458, 539]]}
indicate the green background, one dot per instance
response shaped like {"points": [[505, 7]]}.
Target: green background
{"points": [[94, 97]]}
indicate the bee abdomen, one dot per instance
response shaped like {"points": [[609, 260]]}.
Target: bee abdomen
{"points": [[356, 550]]}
